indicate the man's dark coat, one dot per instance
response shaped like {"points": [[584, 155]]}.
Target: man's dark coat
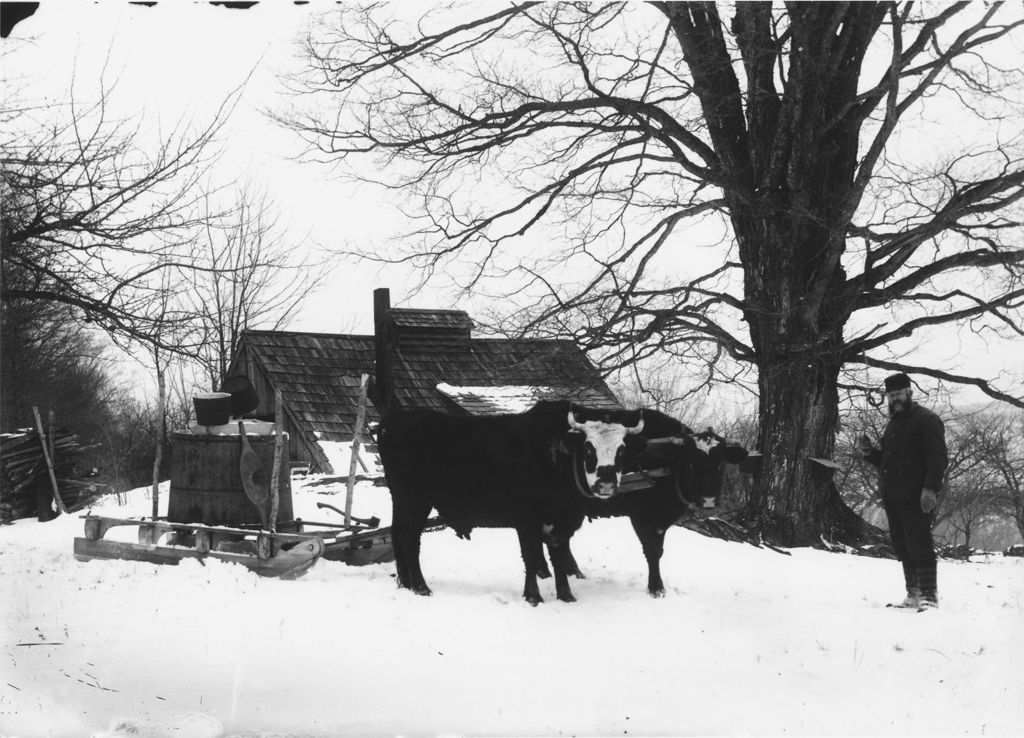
{"points": [[913, 455]]}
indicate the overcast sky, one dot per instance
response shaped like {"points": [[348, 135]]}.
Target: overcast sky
{"points": [[179, 61]]}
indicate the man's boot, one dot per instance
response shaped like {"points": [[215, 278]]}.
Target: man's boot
{"points": [[910, 576], [927, 577]]}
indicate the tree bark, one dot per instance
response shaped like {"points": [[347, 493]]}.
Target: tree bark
{"points": [[794, 501]]}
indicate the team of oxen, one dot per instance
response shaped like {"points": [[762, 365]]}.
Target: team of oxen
{"points": [[542, 472]]}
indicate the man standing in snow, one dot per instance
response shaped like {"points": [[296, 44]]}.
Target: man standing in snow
{"points": [[911, 465]]}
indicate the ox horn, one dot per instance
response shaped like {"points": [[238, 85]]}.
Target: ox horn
{"points": [[636, 428], [573, 423]]}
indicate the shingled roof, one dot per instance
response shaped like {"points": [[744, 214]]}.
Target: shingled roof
{"points": [[318, 374], [496, 362], [416, 318]]}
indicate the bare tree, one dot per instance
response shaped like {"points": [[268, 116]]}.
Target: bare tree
{"points": [[623, 136], [969, 496], [967, 510], [253, 277], [998, 441], [95, 210]]}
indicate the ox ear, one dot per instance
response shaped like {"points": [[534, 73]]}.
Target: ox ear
{"points": [[734, 453]]}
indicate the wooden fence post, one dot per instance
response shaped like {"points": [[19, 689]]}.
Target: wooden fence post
{"points": [[161, 412], [275, 487], [49, 461], [354, 456]]}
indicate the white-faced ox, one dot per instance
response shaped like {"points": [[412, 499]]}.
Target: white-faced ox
{"points": [[496, 472], [696, 461]]}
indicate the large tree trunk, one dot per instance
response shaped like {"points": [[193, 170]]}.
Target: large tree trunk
{"points": [[797, 420], [788, 159], [796, 314], [795, 501]]}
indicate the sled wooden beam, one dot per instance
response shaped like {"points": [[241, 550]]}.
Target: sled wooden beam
{"points": [[285, 555], [99, 525], [286, 564]]}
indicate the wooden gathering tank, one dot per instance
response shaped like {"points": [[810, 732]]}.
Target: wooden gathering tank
{"points": [[206, 483]]}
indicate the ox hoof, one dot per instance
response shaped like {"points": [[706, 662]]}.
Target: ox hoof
{"points": [[422, 591], [658, 593], [570, 597], [533, 599]]}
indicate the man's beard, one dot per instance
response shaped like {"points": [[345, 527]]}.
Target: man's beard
{"points": [[897, 407]]}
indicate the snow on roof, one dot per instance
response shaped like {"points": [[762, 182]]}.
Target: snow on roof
{"points": [[339, 456], [515, 398]]}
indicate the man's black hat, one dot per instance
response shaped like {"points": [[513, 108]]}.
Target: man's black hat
{"points": [[897, 382]]}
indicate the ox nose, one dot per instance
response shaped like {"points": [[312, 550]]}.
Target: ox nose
{"points": [[606, 481], [709, 502]]}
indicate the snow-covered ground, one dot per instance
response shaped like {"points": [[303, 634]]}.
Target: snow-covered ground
{"points": [[747, 641]]}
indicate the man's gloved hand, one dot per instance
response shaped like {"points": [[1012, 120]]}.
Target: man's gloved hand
{"points": [[929, 500], [864, 445]]}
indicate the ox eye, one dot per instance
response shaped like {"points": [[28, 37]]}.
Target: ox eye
{"points": [[590, 457]]}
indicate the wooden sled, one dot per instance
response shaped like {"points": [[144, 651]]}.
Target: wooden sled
{"points": [[361, 548], [361, 544], [282, 555]]}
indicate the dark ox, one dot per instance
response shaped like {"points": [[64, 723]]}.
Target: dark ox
{"points": [[697, 461], [496, 472]]}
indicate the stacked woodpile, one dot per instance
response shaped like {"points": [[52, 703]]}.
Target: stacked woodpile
{"points": [[26, 488]]}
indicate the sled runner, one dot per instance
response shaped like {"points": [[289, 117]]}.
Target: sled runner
{"points": [[283, 555]]}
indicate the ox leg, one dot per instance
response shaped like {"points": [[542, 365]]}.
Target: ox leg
{"points": [[399, 534], [409, 517], [532, 549], [419, 585], [653, 541], [542, 568], [561, 561], [574, 570]]}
